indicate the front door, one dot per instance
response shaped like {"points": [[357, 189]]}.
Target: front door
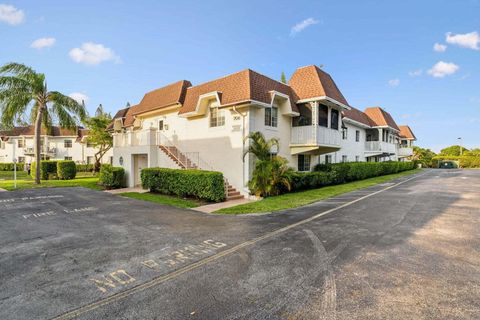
{"points": [[141, 162]]}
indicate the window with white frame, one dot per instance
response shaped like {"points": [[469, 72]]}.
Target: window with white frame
{"points": [[2, 144], [90, 144], [68, 158], [357, 135], [21, 159], [21, 143], [357, 158], [344, 133], [90, 160], [271, 117], [303, 162], [334, 117], [328, 159], [217, 117], [67, 143], [344, 158]]}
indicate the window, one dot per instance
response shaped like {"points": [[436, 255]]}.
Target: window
{"points": [[68, 158], [271, 117], [67, 143], [160, 125], [328, 159], [334, 119], [305, 117], [21, 143], [344, 158], [357, 135], [2, 144], [90, 160], [322, 115], [90, 144], [303, 162], [344, 133], [217, 117], [21, 159], [357, 158]]}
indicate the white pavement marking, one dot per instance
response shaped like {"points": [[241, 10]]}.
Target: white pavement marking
{"points": [[161, 279]]}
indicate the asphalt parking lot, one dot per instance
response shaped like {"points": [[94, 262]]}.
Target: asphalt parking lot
{"points": [[408, 249]]}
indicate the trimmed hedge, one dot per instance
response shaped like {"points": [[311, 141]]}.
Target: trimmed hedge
{"points": [[111, 177], [206, 185], [66, 170], [8, 166], [345, 172], [84, 167], [47, 168]]}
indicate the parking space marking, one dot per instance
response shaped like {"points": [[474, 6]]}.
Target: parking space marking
{"points": [[163, 278]]}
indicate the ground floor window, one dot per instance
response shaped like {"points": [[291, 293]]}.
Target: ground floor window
{"points": [[357, 158], [21, 159], [344, 158], [328, 159], [303, 162], [68, 158], [90, 160]]}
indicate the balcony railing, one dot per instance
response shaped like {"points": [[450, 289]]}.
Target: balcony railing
{"points": [[380, 146], [43, 150], [315, 135], [135, 138], [405, 151]]}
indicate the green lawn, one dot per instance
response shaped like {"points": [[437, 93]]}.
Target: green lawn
{"points": [[163, 199], [24, 181], [297, 199]]}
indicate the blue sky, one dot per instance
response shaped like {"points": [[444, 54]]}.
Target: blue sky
{"points": [[379, 52]]}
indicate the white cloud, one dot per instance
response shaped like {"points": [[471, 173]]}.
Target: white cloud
{"points": [[79, 97], [442, 69], [468, 40], [43, 43], [438, 47], [394, 82], [415, 73], [11, 15], [93, 53], [302, 25]]}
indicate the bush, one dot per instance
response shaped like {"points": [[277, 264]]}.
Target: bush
{"points": [[8, 166], [111, 177], [47, 169], [206, 185], [84, 167], [66, 170], [270, 177], [345, 172]]}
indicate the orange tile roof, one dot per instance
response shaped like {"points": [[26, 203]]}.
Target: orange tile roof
{"points": [[310, 82], [55, 131], [243, 86], [380, 118], [407, 133], [358, 116]]}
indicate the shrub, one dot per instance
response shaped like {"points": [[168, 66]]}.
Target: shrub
{"points": [[111, 177], [84, 167], [66, 170], [8, 166], [206, 185], [48, 168], [270, 177]]}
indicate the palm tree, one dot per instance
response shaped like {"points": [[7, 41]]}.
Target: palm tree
{"points": [[22, 91], [260, 147]]}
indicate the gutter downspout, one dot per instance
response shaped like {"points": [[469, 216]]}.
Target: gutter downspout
{"points": [[243, 142]]}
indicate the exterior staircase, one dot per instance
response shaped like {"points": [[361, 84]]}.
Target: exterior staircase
{"points": [[184, 162]]}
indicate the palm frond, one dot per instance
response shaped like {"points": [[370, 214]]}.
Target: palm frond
{"points": [[17, 69], [69, 105], [64, 118]]}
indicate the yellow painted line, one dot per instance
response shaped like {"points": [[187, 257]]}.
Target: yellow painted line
{"points": [[158, 280]]}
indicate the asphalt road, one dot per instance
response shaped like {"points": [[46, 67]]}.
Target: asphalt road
{"points": [[402, 250]]}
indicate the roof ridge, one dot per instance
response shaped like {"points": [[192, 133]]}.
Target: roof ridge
{"points": [[219, 78]]}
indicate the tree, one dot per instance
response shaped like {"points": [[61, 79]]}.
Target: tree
{"points": [[452, 151], [260, 147], [23, 91], [424, 156], [283, 78], [473, 152], [98, 135], [270, 177]]}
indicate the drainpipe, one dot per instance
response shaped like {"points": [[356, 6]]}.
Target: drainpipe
{"points": [[243, 142]]}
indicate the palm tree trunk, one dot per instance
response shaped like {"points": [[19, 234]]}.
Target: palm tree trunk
{"points": [[38, 133]]}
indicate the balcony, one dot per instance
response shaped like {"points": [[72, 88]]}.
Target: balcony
{"points": [[47, 151], [314, 139], [135, 138], [405, 151], [380, 147]]}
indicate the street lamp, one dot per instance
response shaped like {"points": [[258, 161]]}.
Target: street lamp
{"points": [[461, 146]]}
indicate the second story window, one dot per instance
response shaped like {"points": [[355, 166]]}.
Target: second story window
{"points": [[90, 145], [67, 143], [344, 133], [271, 117], [322, 115], [217, 117], [357, 135], [21, 143], [334, 119]]}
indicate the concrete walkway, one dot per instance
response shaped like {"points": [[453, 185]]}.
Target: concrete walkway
{"points": [[217, 206], [2, 190], [123, 190]]}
